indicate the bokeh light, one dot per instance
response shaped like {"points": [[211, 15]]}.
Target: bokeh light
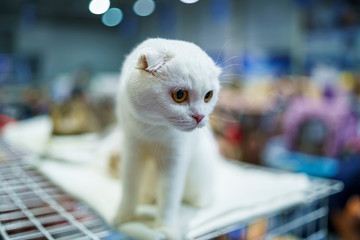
{"points": [[144, 7], [189, 1], [99, 6], [112, 17]]}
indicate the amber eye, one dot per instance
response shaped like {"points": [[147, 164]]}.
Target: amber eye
{"points": [[179, 95], [208, 96]]}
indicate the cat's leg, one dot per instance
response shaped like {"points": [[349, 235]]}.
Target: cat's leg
{"points": [[131, 172], [201, 177], [199, 184], [149, 183], [172, 174]]}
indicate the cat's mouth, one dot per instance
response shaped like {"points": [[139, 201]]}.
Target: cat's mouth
{"points": [[193, 126], [189, 129], [201, 124], [188, 124]]}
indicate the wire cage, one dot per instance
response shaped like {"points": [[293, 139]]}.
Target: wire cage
{"points": [[31, 207], [306, 220]]}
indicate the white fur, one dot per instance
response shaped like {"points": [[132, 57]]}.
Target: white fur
{"points": [[167, 157]]}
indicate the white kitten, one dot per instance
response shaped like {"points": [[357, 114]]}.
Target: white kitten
{"points": [[168, 88]]}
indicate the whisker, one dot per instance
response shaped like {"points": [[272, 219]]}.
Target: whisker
{"points": [[231, 65], [226, 81], [227, 60], [221, 50], [232, 74], [233, 119], [149, 132], [236, 84]]}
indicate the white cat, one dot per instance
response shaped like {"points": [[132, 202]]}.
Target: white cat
{"points": [[168, 88]]}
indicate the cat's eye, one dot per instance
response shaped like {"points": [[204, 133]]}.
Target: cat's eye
{"points": [[179, 95], [208, 96]]}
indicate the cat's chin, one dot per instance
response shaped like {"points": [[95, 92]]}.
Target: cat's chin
{"points": [[190, 129], [185, 129]]}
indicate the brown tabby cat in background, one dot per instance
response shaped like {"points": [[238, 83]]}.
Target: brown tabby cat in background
{"points": [[77, 116]]}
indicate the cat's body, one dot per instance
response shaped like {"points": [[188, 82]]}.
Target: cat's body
{"points": [[167, 90]]}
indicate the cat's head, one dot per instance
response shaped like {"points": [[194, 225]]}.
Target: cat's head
{"points": [[174, 83]]}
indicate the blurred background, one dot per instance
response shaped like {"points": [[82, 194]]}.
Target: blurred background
{"points": [[291, 75]]}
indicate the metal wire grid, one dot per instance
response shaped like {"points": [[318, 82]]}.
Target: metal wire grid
{"points": [[306, 220], [33, 208]]}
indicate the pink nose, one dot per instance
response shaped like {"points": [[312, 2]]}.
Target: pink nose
{"points": [[198, 118]]}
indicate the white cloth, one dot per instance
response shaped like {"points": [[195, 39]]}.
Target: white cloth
{"points": [[241, 192]]}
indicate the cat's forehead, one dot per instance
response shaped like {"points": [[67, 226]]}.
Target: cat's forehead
{"points": [[195, 69], [192, 78]]}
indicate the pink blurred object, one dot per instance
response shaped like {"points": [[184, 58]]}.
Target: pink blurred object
{"points": [[4, 119], [333, 110], [234, 134]]}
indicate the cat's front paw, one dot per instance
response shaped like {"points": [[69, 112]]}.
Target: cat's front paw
{"points": [[137, 230], [170, 232], [122, 218], [199, 200]]}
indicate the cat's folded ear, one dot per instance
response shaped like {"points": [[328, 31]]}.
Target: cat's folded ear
{"points": [[151, 60]]}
